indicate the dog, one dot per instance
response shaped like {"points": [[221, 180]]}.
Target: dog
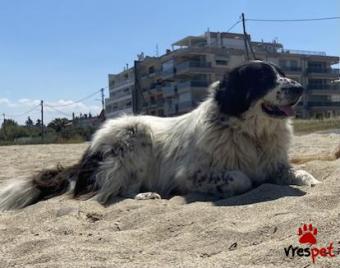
{"points": [[232, 142]]}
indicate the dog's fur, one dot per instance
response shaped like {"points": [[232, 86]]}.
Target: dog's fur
{"points": [[235, 140]]}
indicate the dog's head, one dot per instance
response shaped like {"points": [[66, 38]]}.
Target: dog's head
{"points": [[259, 86]]}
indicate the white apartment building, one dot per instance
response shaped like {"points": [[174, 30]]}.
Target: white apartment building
{"points": [[121, 86]]}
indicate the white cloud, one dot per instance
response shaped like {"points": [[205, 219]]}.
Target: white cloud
{"points": [[7, 102]]}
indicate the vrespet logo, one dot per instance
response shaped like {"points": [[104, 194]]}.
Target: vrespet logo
{"points": [[307, 237]]}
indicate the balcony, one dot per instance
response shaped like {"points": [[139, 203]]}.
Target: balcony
{"points": [[318, 87], [303, 52], [185, 106], [323, 89], [154, 103], [323, 103], [322, 72], [193, 66], [168, 90], [336, 71], [191, 84], [168, 73], [291, 69], [150, 75], [120, 84], [154, 88]]}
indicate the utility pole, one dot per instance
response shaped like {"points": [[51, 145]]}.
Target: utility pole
{"points": [[103, 102], [42, 120], [4, 125], [247, 40], [245, 36]]}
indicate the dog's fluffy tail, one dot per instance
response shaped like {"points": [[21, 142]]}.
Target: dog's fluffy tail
{"points": [[22, 192]]}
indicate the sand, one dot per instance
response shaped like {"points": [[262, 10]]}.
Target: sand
{"points": [[250, 230]]}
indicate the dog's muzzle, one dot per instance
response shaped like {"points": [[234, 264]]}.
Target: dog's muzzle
{"points": [[291, 96]]}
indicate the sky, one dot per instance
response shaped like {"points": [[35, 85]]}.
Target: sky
{"points": [[61, 51]]}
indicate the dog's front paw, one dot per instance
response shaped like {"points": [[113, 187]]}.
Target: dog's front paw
{"points": [[147, 196], [302, 177]]}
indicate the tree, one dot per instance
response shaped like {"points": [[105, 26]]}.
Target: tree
{"points": [[29, 122], [58, 124], [10, 130], [38, 123], [9, 123]]}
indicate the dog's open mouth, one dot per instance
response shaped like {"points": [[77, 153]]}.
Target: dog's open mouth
{"points": [[278, 111]]}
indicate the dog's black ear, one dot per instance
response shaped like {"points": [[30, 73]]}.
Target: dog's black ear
{"points": [[244, 85]]}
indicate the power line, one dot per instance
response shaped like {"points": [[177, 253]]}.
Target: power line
{"points": [[232, 26], [24, 113], [52, 107], [77, 101], [294, 20]]}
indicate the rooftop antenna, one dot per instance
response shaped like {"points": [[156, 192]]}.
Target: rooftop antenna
{"points": [[157, 51]]}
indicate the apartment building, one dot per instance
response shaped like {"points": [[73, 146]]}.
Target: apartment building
{"points": [[121, 87], [176, 82]]}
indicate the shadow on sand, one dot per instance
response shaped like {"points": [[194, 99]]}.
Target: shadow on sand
{"points": [[263, 193]]}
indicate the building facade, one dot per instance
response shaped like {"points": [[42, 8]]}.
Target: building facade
{"points": [[176, 82], [121, 87]]}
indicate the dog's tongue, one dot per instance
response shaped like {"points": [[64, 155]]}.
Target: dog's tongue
{"points": [[288, 110]]}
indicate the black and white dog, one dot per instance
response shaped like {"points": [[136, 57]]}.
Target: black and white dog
{"points": [[236, 139]]}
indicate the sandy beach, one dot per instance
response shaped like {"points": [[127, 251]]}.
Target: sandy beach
{"points": [[250, 230]]}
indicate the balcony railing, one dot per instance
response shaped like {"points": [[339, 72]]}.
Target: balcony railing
{"points": [[150, 75], [323, 104], [155, 103], [304, 52], [319, 70], [167, 73], [318, 87], [192, 64], [194, 83], [335, 71], [168, 90], [185, 106], [119, 83], [291, 69]]}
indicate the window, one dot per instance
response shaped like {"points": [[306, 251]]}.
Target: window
{"points": [[221, 62], [151, 70], [185, 97], [293, 63], [168, 67], [282, 63]]}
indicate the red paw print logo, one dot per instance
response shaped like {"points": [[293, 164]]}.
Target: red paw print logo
{"points": [[307, 234]]}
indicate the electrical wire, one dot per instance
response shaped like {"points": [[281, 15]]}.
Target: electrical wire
{"points": [[52, 107], [293, 20], [232, 26], [77, 101], [24, 113]]}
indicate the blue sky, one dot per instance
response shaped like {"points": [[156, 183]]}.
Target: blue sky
{"points": [[62, 50]]}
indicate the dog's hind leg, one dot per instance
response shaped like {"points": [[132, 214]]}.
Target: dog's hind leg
{"points": [[223, 184], [117, 164]]}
